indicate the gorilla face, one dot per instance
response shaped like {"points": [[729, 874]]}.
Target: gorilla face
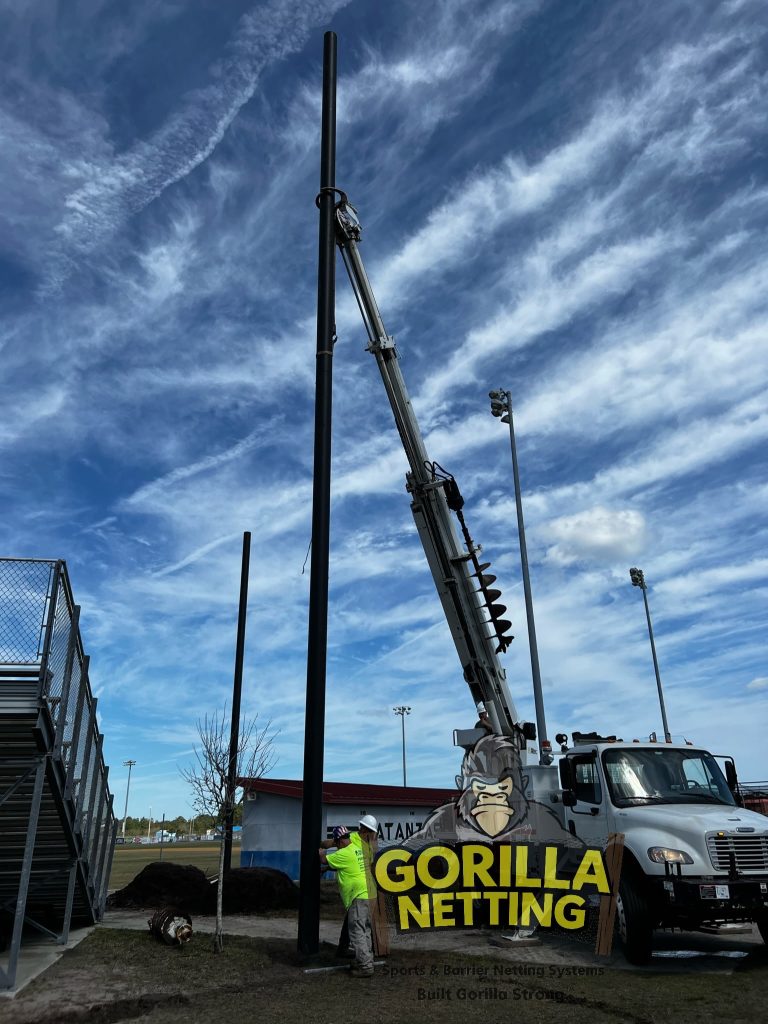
{"points": [[492, 808], [492, 799]]}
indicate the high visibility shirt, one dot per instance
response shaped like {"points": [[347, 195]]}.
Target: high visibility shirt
{"points": [[350, 865]]}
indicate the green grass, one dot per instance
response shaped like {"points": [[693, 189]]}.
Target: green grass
{"points": [[129, 859]]}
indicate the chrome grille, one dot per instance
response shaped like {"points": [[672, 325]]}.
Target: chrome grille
{"points": [[751, 852]]}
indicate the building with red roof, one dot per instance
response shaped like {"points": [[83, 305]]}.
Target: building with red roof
{"points": [[272, 816]]}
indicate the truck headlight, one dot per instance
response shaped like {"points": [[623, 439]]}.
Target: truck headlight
{"points": [[663, 855]]}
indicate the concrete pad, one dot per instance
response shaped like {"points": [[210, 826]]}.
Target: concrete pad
{"points": [[38, 952]]}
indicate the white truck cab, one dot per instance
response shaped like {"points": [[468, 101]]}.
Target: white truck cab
{"points": [[692, 855]]}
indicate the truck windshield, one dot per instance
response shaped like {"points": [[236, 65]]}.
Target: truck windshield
{"points": [[664, 776]]}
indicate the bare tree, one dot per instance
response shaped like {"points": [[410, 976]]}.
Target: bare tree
{"points": [[209, 778]]}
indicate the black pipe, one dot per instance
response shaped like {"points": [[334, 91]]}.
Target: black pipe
{"points": [[314, 727], [237, 688]]}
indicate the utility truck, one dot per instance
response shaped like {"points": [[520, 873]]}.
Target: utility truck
{"points": [[692, 855]]}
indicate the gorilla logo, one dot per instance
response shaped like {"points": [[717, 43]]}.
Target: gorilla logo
{"points": [[492, 809], [492, 806], [492, 797]]}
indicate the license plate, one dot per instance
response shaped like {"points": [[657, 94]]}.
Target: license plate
{"points": [[714, 892]]}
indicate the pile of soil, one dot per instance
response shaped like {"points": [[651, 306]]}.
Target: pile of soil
{"points": [[246, 890], [254, 890]]}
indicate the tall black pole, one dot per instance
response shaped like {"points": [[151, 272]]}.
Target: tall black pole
{"points": [[314, 727], [237, 687], [128, 765]]}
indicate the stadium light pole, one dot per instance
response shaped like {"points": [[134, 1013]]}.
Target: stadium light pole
{"points": [[128, 765], [501, 406], [638, 580], [403, 710]]}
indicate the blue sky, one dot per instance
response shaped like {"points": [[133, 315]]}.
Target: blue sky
{"points": [[566, 199]]}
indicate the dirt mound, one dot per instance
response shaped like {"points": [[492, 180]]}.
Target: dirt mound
{"points": [[160, 884], [246, 890], [254, 890]]}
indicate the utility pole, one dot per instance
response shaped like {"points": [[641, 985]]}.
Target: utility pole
{"points": [[638, 580], [128, 765], [402, 710], [501, 406], [317, 640], [234, 735]]}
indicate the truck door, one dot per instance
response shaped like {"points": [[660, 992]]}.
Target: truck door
{"points": [[590, 807]]}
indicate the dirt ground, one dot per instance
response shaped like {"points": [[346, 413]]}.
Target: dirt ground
{"points": [[119, 974]]}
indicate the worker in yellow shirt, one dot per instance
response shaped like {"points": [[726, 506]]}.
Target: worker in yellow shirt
{"points": [[350, 861]]}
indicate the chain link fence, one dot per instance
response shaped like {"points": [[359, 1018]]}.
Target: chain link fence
{"points": [[25, 591]]}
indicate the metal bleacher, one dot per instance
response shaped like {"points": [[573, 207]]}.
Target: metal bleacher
{"points": [[57, 826]]}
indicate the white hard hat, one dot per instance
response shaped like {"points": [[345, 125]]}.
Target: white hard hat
{"points": [[481, 709], [368, 821]]}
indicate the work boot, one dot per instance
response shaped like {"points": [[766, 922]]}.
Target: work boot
{"points": [[356, 971]]}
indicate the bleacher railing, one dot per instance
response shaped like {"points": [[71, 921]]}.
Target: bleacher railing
{"points": [[44, 671]]}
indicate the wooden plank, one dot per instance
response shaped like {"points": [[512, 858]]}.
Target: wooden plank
{"points": [[380, 925], [379, 906], [614, 855]]}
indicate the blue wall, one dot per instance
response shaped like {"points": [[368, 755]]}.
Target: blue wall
{"points": [[284, 860]]}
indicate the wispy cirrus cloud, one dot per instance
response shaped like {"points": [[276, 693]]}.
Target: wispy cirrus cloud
{"points": [[111, 190], [587, 231]]}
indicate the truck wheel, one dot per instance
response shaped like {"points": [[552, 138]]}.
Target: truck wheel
{"points": [[633, 923]]}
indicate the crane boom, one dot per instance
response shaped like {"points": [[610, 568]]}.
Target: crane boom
{"points": [[464, 587]]}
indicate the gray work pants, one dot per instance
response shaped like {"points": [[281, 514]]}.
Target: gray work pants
{"points": [[360, 934]]}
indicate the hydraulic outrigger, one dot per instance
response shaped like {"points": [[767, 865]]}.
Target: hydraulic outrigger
{"points": [[463, 585]]}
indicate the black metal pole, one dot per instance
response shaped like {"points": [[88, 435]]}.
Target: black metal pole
{"points": [[314, 727], [237, 687], [545, 756], [667, 734], [129, 765]]}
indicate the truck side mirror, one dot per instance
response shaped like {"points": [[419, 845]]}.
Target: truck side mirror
{"points": [[566, 773], [733, 782], [567, 781]]}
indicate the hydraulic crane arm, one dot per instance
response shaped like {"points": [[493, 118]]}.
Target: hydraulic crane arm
{"points": [[464, 588]]}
